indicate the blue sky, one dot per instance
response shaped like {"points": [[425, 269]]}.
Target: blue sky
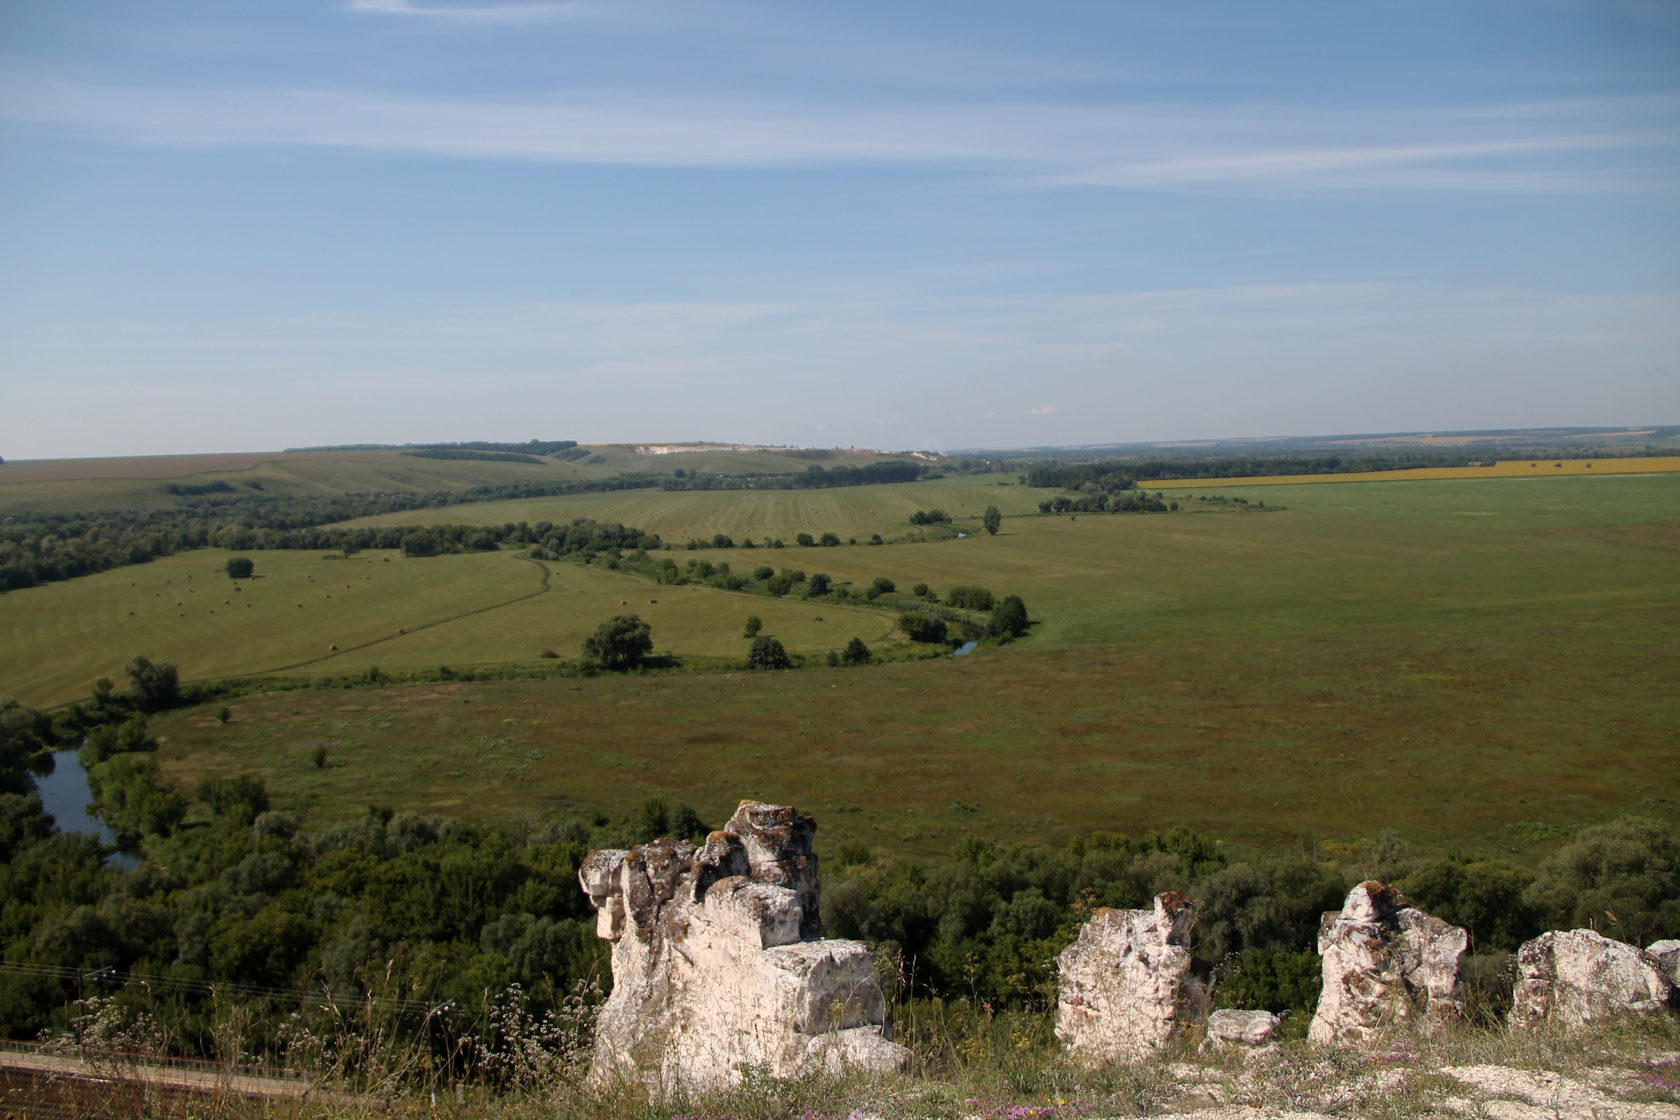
{"points": [[255, 225]]}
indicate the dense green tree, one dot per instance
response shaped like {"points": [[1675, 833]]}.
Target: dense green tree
{"points": [[856, 653], [829, 540], [621, 642], [240, 567], [1009, 617], [1622, 878], [754, 625], [992, 520], [971, 598], [805, 540], [820, 584], [153, 685], [420, 544], [767, 653]]}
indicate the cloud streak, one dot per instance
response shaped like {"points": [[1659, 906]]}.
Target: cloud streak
{"points": [[1165, 146]]}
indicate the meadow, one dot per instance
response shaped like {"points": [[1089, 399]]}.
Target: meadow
{"points": [[319, 614], [679, 516], [1273, 677]]}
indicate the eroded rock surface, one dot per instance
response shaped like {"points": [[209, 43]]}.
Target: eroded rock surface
{"points": [[1575, 977], [1228, 1029], [1385, 963], [718, 962], [1124, 983], [1668, 958]]}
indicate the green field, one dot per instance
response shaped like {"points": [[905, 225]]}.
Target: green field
{"points": [[677, 516], [1570, 502], [1266, 676], [379, 609]]}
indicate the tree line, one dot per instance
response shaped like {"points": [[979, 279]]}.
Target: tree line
{"points": [[1124, 474]]}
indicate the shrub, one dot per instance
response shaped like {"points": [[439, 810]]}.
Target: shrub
{"points": [[920, 626], [970, 598], [240, 567]]}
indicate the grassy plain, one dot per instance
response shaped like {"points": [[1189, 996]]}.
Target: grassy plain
{"points": [[1577, 503], [1268, 676], [677, 516], [378, 609]]}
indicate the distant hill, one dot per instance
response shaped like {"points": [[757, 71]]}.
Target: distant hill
{"points": [[1656, 439], [166, 481]]}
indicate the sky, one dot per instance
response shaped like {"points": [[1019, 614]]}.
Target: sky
{"points": [[257, 225]]}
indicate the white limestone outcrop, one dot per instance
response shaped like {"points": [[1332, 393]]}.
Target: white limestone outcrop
{"points": [[1385, 963], [718, 962], [1576, 977], [1123, 986]]}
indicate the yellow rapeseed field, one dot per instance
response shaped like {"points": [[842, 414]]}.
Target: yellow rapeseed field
{"points": [[1514, 468]]}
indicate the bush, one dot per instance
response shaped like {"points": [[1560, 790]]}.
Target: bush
{"points": [[970, 598], [754, 625], [883, 586], [920, 626], [767, 653], [857, 653], [240, 567]]}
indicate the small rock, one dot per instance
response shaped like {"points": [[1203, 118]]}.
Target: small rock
{"points": [[1251, 1029]]}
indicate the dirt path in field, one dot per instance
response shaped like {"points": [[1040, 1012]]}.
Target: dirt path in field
{"points": [[542, 589]]}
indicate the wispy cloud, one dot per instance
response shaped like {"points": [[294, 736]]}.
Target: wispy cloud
{"points": [[540, 12], [1041, 410]]}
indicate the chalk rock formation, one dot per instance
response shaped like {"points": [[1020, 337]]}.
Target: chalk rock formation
{"points": [[718, 962], [1668, 959], [1385, 963], [1240, 1029], [1577, 976], [1124, 983]]}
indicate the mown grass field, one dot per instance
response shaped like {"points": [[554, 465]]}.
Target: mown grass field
{"points": [[677, 516], [379, 609], [1271, 677], [1576, 503]]}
